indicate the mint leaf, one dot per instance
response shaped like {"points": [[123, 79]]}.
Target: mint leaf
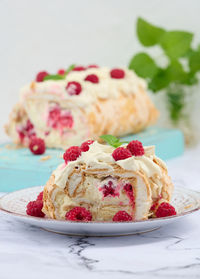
{"points": [[176, 43], [148, 34], [175, 72], [111, 140], [60, 77], [69, 69], [194, 61], [54, 77], [143, 65], [160, 81]]}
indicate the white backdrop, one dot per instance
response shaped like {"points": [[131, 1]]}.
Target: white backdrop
{"points": [[49, 34]]}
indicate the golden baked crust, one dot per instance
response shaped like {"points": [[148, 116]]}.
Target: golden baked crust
{"points": [[58, 201]]}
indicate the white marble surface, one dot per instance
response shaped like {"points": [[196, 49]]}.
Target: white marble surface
{"points": [[27, 252]]}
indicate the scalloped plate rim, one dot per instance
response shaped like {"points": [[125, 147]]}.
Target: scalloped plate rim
{"points": [[48, 220]]}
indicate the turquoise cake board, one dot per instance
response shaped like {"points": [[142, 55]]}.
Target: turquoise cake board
{"points": [[19, 168]]}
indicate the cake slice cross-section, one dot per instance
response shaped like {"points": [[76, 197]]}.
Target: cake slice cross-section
{"points": [[107, 188]]}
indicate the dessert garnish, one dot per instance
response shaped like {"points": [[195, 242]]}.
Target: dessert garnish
{"points": [[117, 73], [37, 146]]}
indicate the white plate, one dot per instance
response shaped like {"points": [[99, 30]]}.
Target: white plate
{"points": [[14, 204]]}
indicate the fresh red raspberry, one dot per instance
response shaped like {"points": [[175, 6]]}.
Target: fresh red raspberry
{"points": [[121, 153], [122, 216], [40, 196], [34, 208], [86, 145], [53, 117], [79, 68], [73, 88], [117, 73], [109, 190], [29, 129], [72, 153], [136, 148], [66, 120], [92, 66], [29, 126], [26, 131], [154, 206], [92, 78], [129, 191], [78, 214], [41, 75], [61, 72], [165, 209], [21, 135], [37, 146]]}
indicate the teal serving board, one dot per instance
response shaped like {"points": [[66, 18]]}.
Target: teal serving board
{"points": [[19, 168]]}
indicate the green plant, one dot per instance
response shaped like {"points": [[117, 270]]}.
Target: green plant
{"points": [[180, 71]]}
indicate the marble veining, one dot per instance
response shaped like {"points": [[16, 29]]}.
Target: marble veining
{"points": [[28, 252]]}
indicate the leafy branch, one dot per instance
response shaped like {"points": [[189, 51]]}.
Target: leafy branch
{"points": [[176, 47]]}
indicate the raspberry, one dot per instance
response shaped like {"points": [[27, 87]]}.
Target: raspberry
{"points": [[92, 78], [26, 131], [72, 153], [122, 216], [117, 73], [29, 126], [136, 148], [40, 196], [79, 68], [29, 129], [92, 66], [59, 119], [41, 75], [66, 120], [78, 214], [53, 117], [108, 190], [121, 153], [129, 191], [73, 88], [61, 72], [21, 135], [37, 146], [165, 209], [34, 208], [86, 145], [154, 206]]}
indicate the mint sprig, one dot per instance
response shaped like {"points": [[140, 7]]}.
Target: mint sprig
{"points": [[112, 140], [69, 69], [60, 77], [176, 46], [53, 77]]}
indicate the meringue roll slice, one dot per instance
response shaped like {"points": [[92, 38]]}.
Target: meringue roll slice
{"points": [[105, 185], [86, 103]]}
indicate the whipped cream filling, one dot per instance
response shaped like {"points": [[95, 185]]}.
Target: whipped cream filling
{"points": [[99, 157], [106, 88]]}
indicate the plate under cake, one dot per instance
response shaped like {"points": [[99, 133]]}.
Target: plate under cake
{"points": [[14, 204]]}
